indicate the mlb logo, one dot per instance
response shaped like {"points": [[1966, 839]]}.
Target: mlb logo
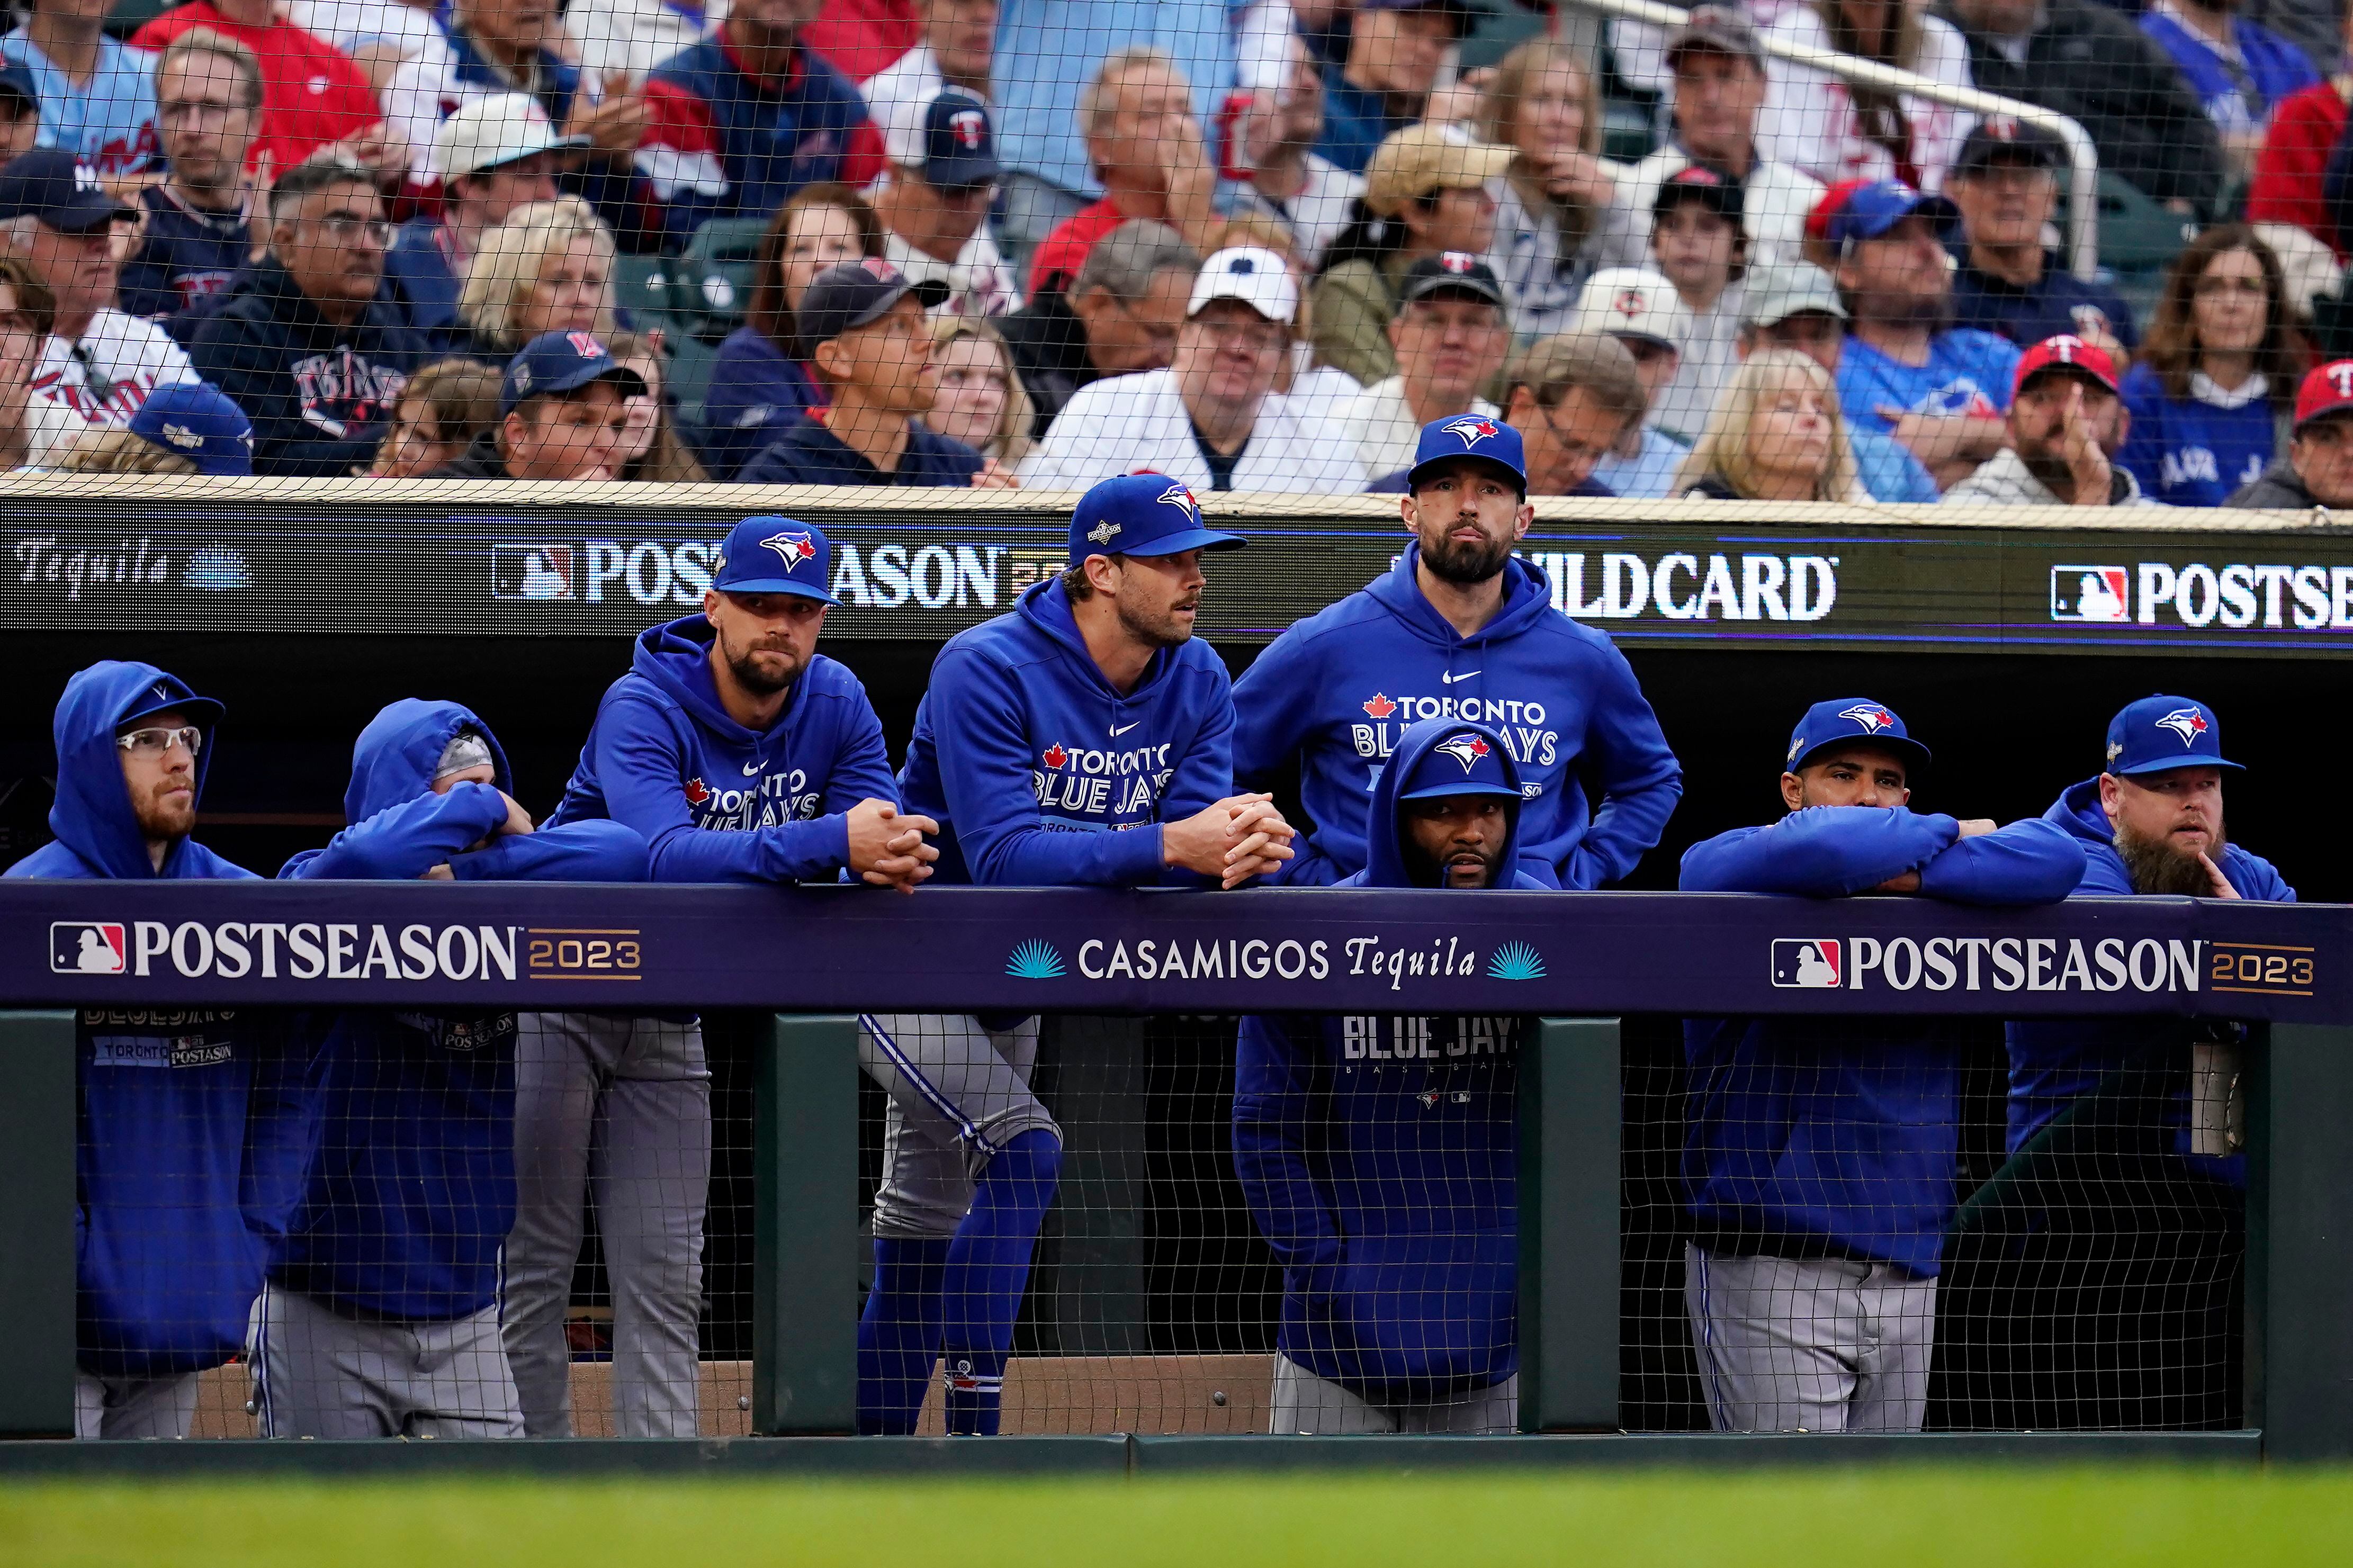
{"points": [[85, 947], [531, 571], [1809, 963], [2091, 594]]}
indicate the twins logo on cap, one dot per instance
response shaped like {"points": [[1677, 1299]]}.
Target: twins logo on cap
{"points": [[792, 549], [1457, 262], [1872, 718], [1464, 749], [1470, 429], [1632, 302], [585, 345], [2340, 376], [879, 267], [970, 126], [2187, 722]]}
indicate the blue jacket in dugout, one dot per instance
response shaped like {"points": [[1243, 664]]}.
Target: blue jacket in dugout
{"points": [[412, 1192], [1378, 1155], [195, 1125]]}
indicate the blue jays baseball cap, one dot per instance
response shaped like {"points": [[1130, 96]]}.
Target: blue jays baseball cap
{"points": [[2159, 733], [563, 362], [51, 185], [195, 420], [1870, 208], [1842, 720], [959, 142], [1490, 441], [1469, 760], [773, 555], [1142, 514]]}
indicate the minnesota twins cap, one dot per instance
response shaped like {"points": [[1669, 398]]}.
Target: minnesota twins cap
{"points": [[1718, 28], [195, 420], [1842, 720], [1468, 761], [773, 555], [854, 294], [1696, 183], [556, 362], [1633, 302], [1251, 274], [1451, 272], [2004, 139], [1142, 514], [1865, 209], [2065, 353], [959, 144], [1472, 435], [53, 186], [2327, 389], [2158, 734]]}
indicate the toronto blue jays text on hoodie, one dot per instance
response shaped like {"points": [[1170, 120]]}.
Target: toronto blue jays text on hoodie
{"points": [[1340, 687], [1836, 1137], [2054, 1062], [195, 1125], [1041, 774], [714, 801], [413, 1189], [1377, 1155]]}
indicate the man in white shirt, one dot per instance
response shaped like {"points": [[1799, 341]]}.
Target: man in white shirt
{"points": [[1638, 308], [1450, 337], [934, 206], [99, 363], [956, 50], [1308, 195], [1212, 420]]}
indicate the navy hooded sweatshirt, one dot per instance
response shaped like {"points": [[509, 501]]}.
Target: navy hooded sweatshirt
{"points": [[1042, 775], [194, 1124], [716, 802], [1339, 686], [2053, 1062], [1378, 1153], [413, 1191], [1819, 1137]]}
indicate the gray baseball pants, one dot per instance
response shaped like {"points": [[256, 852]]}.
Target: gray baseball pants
{"points": [[321, 1374], [1812, 1345], [1309, 1406], [958, 1093], [134, 1407]]}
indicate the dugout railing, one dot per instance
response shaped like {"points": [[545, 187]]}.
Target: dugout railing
{"points": [[814, 957]]}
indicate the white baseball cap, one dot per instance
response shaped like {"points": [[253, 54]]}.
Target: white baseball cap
{"points": [[1257, 277], [502, 128], [1633, 302]]}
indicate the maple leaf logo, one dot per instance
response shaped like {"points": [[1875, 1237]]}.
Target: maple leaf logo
{"points": [[1380, 707], [1054, 756], [697, 792]]}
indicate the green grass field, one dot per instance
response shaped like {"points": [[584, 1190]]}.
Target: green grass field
{"points": [[1900, 1517]]}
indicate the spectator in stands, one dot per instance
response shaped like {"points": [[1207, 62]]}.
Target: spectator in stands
{"points": [[761, 385], [30, 427], [2238, 69], [1796, 307], [1394, 50], [1774, 437], [956, 52], [1939, 390], [309, 343], [862, 323], [497, 153], [1572, 397], [2007, 189], [2219, 374], [1558, 200], [380, 35], [442, 410], [2293, 163], [981, 401], [1121, 313], [935, 211], [1450, 334], [196, 231], [1211, 420], [651, 450], [562, 415], [1837, 132], [313, 98], [545, 268], [1697, 244], [1638, 308], [1719, 87], [99, 365], [20, 111], [2318, 468], [629, 38], [1426, 192], [2083, 60], [712, 148], [2067, 425], [1147, 149], [863, 37], [1288, 181], [96, 97]]}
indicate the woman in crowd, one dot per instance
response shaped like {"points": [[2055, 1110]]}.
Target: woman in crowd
{"points": [[981, 401], [547, 267], [32, 429], [1776, 435], [1425, 194], [2217, 374], [1543, 105], [761, 382], [651, 450], [441, 410], [1835, 132]]}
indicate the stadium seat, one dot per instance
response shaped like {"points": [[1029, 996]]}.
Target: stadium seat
{"points": [[711, 285], [642, 283], [692, 362], [1497, 27]]}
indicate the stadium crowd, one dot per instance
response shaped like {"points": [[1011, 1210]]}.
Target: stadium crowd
{"points": [[1252, 246]]}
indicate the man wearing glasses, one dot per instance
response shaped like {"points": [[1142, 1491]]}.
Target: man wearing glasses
{"points": [[309, 343], [1212, 420], [196, 236], [933, 200]]}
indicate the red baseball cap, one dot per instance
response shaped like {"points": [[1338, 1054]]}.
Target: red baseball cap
{"points": [[2072, 354], [2327, 389]]}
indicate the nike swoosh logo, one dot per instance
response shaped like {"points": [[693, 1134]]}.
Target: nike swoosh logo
{"points": [[750, 768], [1121, 730], [1451, 679]]}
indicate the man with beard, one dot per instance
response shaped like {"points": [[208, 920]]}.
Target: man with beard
{"points": [[2066, 427], [739, 754], [1905, 371], [1083, 740], [1462, 628]]}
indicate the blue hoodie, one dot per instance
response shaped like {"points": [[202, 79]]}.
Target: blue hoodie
{"points": [[716, 802], [1041, 774], [1378, 1155], [413, 1191], [2053, 1062], [194, 1124], [1835, 1137], [1339, 686]]}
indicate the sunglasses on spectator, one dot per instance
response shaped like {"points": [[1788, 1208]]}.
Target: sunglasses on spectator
{"points": [[155, 742]]}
